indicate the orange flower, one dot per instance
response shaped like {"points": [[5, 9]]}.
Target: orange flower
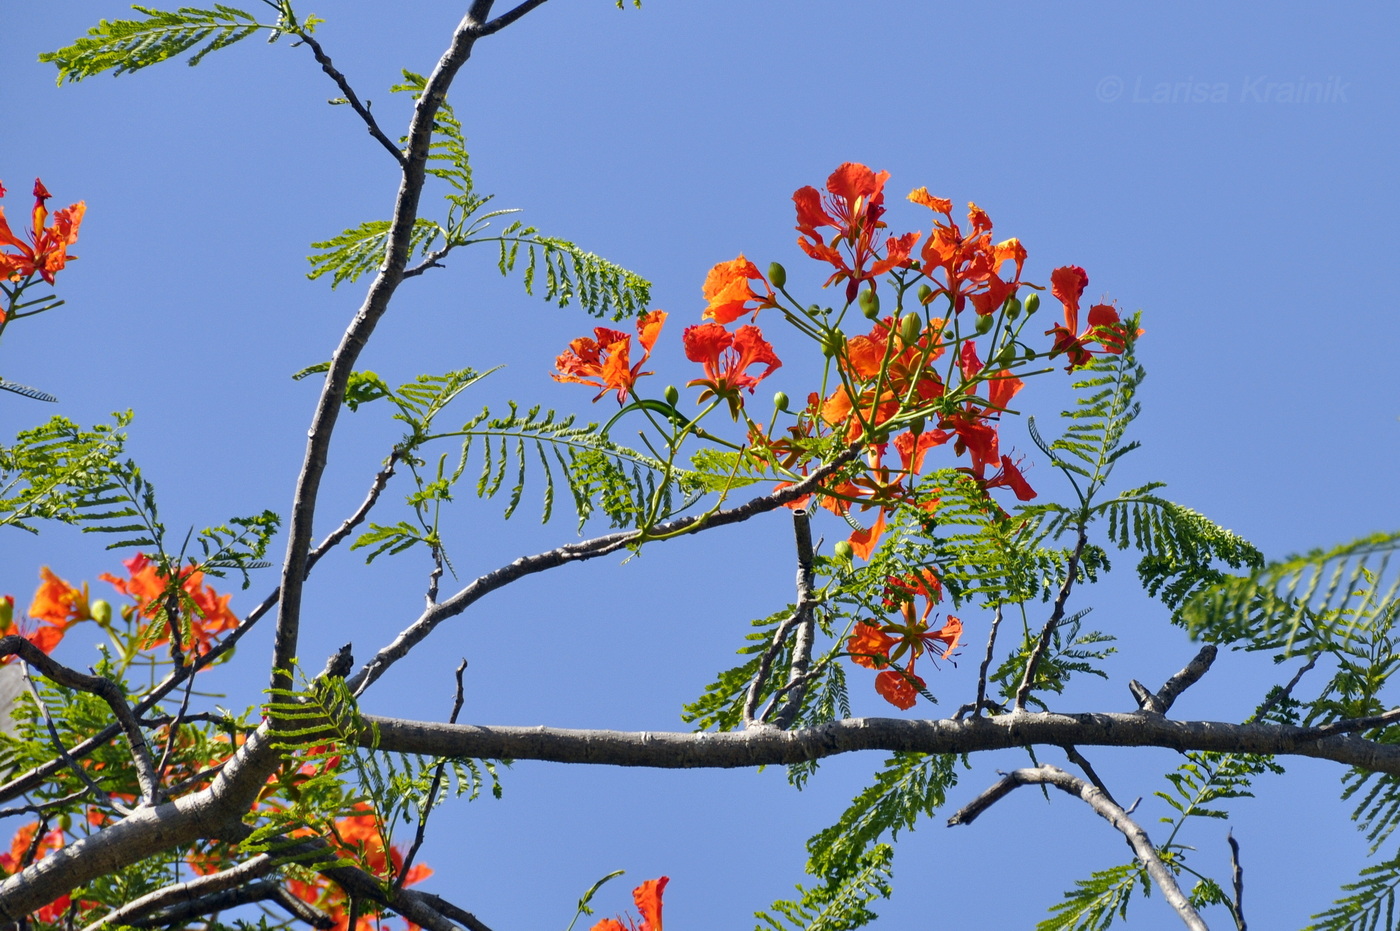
{"points": [[899, 688], [1105, 327], [854, 204], [728, 293], [13, 862], [148, 585], [970, 264], [647, 896], [46, 253], [727, 358], [603, 361], [869, 646], [358, 838], [876, 646]]}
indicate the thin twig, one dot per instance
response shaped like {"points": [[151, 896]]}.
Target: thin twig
{"points": [[578, 552], [1354, 724], [986, 663], [1108, 810], [58, 745], [1043, 644], [987, 705], [432, 791], [1236, 880], [505, 19], [1287, 691], [1078, 759], [39, 808], [349, 93]]}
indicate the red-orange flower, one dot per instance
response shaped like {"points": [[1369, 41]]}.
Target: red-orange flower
{"points": [[46, 252], [971, 264], [854, 204], [877, 646], [728, 293], [358, 838], [647, 896], [148, 584], [13, 861], [1105, 327], [727, 358], [604, 361]]}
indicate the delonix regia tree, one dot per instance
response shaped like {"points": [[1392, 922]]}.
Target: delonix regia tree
{"points": [[137, 804]]}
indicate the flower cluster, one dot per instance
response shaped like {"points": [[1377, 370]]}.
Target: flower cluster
{"points": [[149, 585], [942, 370]]}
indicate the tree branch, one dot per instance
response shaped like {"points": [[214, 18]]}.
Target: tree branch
{"points": [[770, 746], [1110, 812], [105, 689], [335, 75], [1057, 615], [1161, 702], [578, 552], [796, 686], [184, 892]]}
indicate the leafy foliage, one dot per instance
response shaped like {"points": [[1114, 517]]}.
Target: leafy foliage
{"points": [[722, 704], [603, 288], [60, 471], [1325, 595], [125, 45], [1070, 653], [360, 250], [1093, 903], [911, 786], [841, 903], [1370, 903]]}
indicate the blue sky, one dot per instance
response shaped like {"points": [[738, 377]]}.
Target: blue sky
{"points": [[1227, 168]]}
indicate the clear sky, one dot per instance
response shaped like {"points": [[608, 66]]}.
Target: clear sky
{"points": [[1227, 168]]}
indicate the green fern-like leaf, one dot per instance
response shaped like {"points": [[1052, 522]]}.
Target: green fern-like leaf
{"points": [[602, 288], [842, 903], [63, 472], [125, 45], [1324, 595], [910, 787], [361, 250], [1369, 903], [1094, 903]]}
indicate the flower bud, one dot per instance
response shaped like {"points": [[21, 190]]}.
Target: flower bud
{"points": [[916, 426], [832, 343], [925, 294], [780, 401], [984, 324], [844, 550], [777, 275], [910, 329], [101, 612], [1030, 353], [869, 303], [1032, 303], [7, 610], [1007, 354], [1012, 308], [671, 395]]}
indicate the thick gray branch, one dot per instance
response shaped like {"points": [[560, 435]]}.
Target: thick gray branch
{"points": [[770, 746], [1096, 799]]}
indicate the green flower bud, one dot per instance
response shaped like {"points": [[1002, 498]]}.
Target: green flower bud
{"points": [[925, 294], [832, 343], [910, 329], [1032, 303], [1012, 308], [984, 324], [7, 610], [101, 612], [780, 401], [671, 395], [1007, 354], [916, 426], [1030, 354], [777, 275], [869, 303], [844, 550]]}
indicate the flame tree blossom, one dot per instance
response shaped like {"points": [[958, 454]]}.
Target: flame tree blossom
{"points": [[727, 358], [882, 646], [46, 251], [971, 264], [648, 899], [604, 360], [1105, 327], [728, 293], [148, 585], [853, 206]]}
